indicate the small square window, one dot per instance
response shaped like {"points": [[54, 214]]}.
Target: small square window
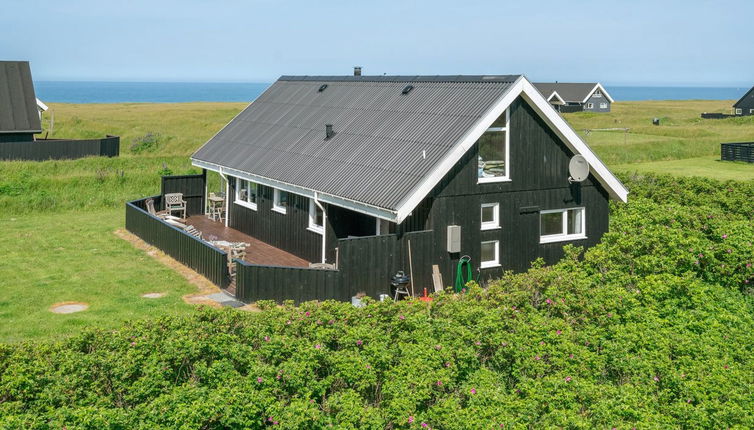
{"points": [[490, 254], [561, 225], [738, 111], [280, 201], [246, 193], [590, 105], [490, 216]]}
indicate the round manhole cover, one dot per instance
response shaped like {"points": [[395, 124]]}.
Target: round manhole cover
{"points": [[68, 307]]}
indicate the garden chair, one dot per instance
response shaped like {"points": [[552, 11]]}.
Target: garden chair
{"points": [[149, 203], [174, 202], [193, 231]]}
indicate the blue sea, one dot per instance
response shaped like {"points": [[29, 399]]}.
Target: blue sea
{"points": [[173, 92]]}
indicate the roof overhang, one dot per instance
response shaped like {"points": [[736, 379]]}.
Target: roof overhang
{"points": [[601, 88], [522, 87], [556, 95], [41, 106]]}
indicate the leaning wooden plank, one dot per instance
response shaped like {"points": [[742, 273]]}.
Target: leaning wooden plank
{"points": [[437, 278]]}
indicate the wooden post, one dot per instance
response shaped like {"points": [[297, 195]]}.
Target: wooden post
{"points": [[411, 268]]}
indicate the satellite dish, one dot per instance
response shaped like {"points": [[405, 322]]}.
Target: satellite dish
{"points": [[578, 169]]}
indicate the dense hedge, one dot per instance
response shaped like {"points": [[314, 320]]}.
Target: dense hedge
{"points": [[653, 328]]}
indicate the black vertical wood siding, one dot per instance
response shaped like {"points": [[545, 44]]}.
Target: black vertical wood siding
{"points": [[190, 251], [42, 149], [192, 187]]}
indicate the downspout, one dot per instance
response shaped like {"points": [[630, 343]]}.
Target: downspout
{"points": [[227, 195], [324, 227]]}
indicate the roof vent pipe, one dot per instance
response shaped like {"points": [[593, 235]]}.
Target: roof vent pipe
{"points": [[357, 71], [329, 131]]}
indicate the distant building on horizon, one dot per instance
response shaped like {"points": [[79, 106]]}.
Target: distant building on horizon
{"points": [[576, 97], [745, 105]]}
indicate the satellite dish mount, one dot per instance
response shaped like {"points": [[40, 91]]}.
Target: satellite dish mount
{"points": [[578, 169]]}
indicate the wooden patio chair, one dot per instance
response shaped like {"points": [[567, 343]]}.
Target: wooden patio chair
{"points": [[193, 231], [149, 203], [174, 202]]}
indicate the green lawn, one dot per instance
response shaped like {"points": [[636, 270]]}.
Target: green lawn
{"points": [[710, 167], [50, 258]]}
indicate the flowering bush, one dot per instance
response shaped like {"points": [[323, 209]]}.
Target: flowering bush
{"points": [[652, 328]]}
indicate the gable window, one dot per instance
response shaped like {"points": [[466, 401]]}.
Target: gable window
{"points": [[490, 254], [738, 111], [561, 225], [316, 218], [590, 105], [597, 94], [280, 201], [494, 151], [490, 216], [603, 105], [246, 193]]}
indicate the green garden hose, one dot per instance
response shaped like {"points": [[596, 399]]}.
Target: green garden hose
{"points": [[460, 283]]}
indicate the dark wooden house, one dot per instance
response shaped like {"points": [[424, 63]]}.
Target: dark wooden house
{"points": [[481, 162], [745, 105], [576, 97], [19, 107]]}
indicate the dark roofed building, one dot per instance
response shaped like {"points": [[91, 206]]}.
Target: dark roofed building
{"points": [[19, 114], [745, 105], [481, 162], [571, 97]]}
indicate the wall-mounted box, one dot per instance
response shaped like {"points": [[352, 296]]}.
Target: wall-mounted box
{"points": [[454, 238]]}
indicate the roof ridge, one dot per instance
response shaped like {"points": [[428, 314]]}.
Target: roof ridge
{"points": [[403, 78]]}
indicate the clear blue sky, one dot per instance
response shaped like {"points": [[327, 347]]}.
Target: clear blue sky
{"points": [[616, 42]]}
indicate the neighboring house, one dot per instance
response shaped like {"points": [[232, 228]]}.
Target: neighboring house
{"points": [[317, 159], [19, 106], [745, 106], [574, 97]]}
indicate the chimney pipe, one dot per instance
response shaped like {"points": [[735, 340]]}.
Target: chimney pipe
{"points": [[357, 71], [329, 131]]}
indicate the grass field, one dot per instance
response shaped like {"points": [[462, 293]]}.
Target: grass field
{"points": [[58, 217]]}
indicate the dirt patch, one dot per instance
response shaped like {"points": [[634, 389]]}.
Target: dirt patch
{"points": [[153, 295], [68, 307], [203, 284]]}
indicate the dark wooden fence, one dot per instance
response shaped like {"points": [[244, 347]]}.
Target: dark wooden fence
{"points": [[743, 151], [190, 251], [365, 265], [570, 108], [59, 149], [716, 115], [192, 187]]}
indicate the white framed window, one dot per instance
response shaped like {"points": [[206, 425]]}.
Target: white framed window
{"points": [[590, 105], [316, 218], [603, 105], [561, 225], [597, 94], [494, 151], [490, 216], [280, 201], [738, 111], [751, 110], [490, 254], [246, 193]]}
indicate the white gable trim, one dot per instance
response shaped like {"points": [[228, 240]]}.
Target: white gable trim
{"points": [[601, 88], [555, 94], [41, 106], [524, 88]]}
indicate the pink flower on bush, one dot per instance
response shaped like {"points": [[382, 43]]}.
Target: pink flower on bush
{"points": [[477, 343], [401, 317], [570, 355], [368, 366], [568, 379], [729, 251], [317, 346], [725, 367], [536, 357], [447, 364], [558, 332], [359, 342], [725, 236], [307, 313], [438, 347], [133, 343], [259, 379], [548, 301], [289, 322], [656, 379], [439, 383], [266, 338], [410, 419], [472, 391], [425, 425]]}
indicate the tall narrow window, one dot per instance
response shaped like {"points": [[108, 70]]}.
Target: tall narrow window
{"points": [[246, 193], [316, 218], [490, 216], [280, 201], [590, 105], [561, 225], [490, 254], [493, 162]]}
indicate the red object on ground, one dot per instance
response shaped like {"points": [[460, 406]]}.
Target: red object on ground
{"points": [[425, 297]]}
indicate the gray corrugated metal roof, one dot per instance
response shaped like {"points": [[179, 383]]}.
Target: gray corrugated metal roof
{"points": [[18, 103], [570, 92], [747, 99], [377, 154]]}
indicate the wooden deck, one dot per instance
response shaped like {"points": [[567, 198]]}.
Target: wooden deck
{"points": [[258, 253]]}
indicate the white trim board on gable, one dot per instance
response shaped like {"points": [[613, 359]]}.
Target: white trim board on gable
{"points": [[524, 88], [602, 89]]}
